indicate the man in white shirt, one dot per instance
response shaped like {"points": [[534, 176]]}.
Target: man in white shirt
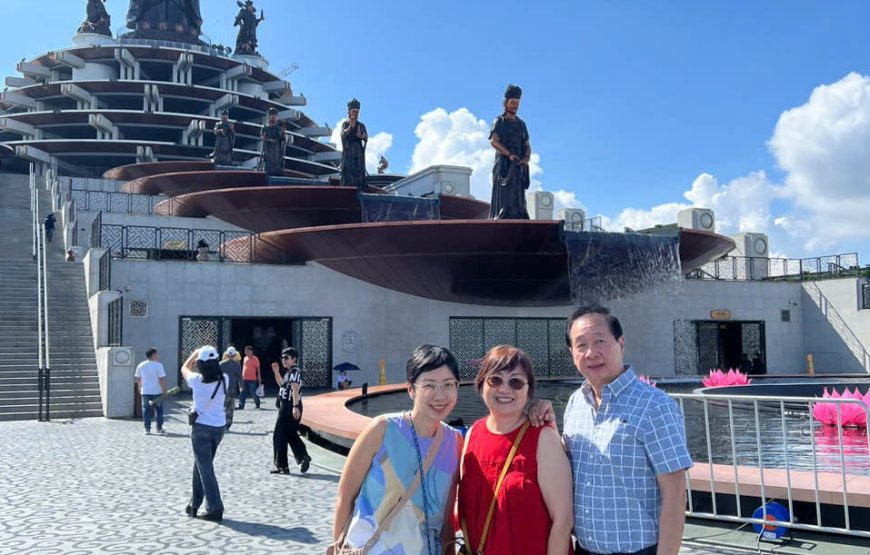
{"points": [[151, 377]]}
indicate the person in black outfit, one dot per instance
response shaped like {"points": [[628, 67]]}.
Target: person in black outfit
{"points": [[49, 227], [289, 415]]}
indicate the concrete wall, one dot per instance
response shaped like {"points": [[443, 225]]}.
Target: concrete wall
{"points": [[389, 325], [836, 329]]}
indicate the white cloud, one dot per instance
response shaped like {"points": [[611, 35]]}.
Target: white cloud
{"points": [[378, 145], [459, 138], [823, 147]]}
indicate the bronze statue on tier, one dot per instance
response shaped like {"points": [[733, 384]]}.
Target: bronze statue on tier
{"points": [[354, 137], [224, 141], [172, 20], [274, 140], [247, 22], [510, 174], [98, 20]]}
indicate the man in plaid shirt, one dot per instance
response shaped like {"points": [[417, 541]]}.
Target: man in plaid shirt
{"points": [[627, 445]]}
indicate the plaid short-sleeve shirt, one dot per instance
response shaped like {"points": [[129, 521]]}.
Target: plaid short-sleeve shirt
{"points": [[617, 450]]}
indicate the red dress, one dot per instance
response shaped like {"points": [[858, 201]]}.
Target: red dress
{"points": [[520, 524]]}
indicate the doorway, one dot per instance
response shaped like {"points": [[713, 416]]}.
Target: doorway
{"points": [[725, 345], [267, 336]]}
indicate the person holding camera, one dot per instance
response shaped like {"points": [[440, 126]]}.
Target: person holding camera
{"points": [[207, 419]]}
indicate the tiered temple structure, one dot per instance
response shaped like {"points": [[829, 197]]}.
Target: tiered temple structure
{"points": [[179, 252]]}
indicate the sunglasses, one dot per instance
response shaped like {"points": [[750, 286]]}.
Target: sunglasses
{"points": [[285, 357], [515, 383]]}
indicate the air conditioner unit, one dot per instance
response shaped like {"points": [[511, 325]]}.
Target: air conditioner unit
{"points": [[540, 205], [701, 219], [752, 245], [574, 218]]}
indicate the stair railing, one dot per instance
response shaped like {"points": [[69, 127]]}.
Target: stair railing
{"points": [[43, 372]]}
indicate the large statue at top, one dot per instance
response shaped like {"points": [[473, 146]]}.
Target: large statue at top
{"points": [[354, 137], [510, 174], [178, 20], [98, 20], [247, 22]]}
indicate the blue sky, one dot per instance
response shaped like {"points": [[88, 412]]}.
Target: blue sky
{"points": [[629, 104]]}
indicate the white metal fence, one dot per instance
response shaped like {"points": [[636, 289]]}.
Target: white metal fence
{"points": [[761, 448]]}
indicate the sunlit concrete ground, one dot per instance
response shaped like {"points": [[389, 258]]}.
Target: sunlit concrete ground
{"points": [[102, 486]]}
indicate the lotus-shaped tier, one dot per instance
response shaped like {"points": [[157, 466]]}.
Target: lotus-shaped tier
{"points": [[851, 415], [489, 262], [306, 204]]}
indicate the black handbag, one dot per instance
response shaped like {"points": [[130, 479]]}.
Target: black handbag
{"points": [[192, 415]]}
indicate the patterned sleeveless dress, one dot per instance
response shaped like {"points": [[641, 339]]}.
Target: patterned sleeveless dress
{"points": [[392, 471]]}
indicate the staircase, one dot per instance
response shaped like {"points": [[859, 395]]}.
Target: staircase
{"points": [[75, 390]]}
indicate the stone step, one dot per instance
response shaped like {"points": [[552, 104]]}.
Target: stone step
{"points": [[55, 415]]}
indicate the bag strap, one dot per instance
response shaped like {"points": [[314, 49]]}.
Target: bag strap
{"points": [[218, 386], [492, 504], [384, 524]]}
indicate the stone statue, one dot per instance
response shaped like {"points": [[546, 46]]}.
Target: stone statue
{"points": [[224, 141], [354, 137], [178, 20], [98, 20], [272, 157], [247, 22], [510, 174], [383, 165]]}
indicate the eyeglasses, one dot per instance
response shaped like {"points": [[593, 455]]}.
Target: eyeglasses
{"points": [[285, 357], [515, 383], [430, 388]]}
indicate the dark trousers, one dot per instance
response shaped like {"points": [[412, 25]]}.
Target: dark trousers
{"points": [[249, 387], [651, 550], [287, 432]]}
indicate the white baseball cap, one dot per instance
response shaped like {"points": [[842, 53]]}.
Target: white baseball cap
{"points": [[207, 352], [231, 351]]}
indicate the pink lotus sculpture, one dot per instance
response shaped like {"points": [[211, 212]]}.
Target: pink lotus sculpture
{"points": [[718, 378], [645, 379], [851, 414]]}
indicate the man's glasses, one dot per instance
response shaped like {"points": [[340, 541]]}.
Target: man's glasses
{"points": [[285, 357], [430, 388], [515, 383]]}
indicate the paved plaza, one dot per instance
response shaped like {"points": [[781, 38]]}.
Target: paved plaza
{"points": [[102, 486]]}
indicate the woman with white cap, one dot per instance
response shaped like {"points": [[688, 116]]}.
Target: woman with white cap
{"points": [[203, 375]]}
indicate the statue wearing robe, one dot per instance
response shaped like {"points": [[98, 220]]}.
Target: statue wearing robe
{"points": [[510, 179], [224, 140], [273, 149], [165, 19], [353, 155], [98, 20], [247, 22]]}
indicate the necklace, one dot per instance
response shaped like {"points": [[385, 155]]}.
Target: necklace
{"points": [[422, 485]]}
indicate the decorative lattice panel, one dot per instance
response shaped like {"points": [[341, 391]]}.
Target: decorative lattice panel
{"points": [[196, 332], [138, 309], [316, 352]]}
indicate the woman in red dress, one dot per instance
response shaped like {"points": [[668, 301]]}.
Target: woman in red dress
{"points": [[534, 510]]}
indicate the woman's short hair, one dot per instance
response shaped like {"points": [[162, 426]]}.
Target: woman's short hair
{"points": [[426, 358], [503, 358], [210, 370]]}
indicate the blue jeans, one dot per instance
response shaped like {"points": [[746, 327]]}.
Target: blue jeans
{"points": [[249, 388], [146, 411], [205, 440]]}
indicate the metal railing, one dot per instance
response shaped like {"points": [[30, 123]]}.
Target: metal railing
{"points": [[105, 282], [743, 268], [43, 349], [116, 323], [175, 243], [69, 184], [594, 224], [761, 443], [126, 203]]}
